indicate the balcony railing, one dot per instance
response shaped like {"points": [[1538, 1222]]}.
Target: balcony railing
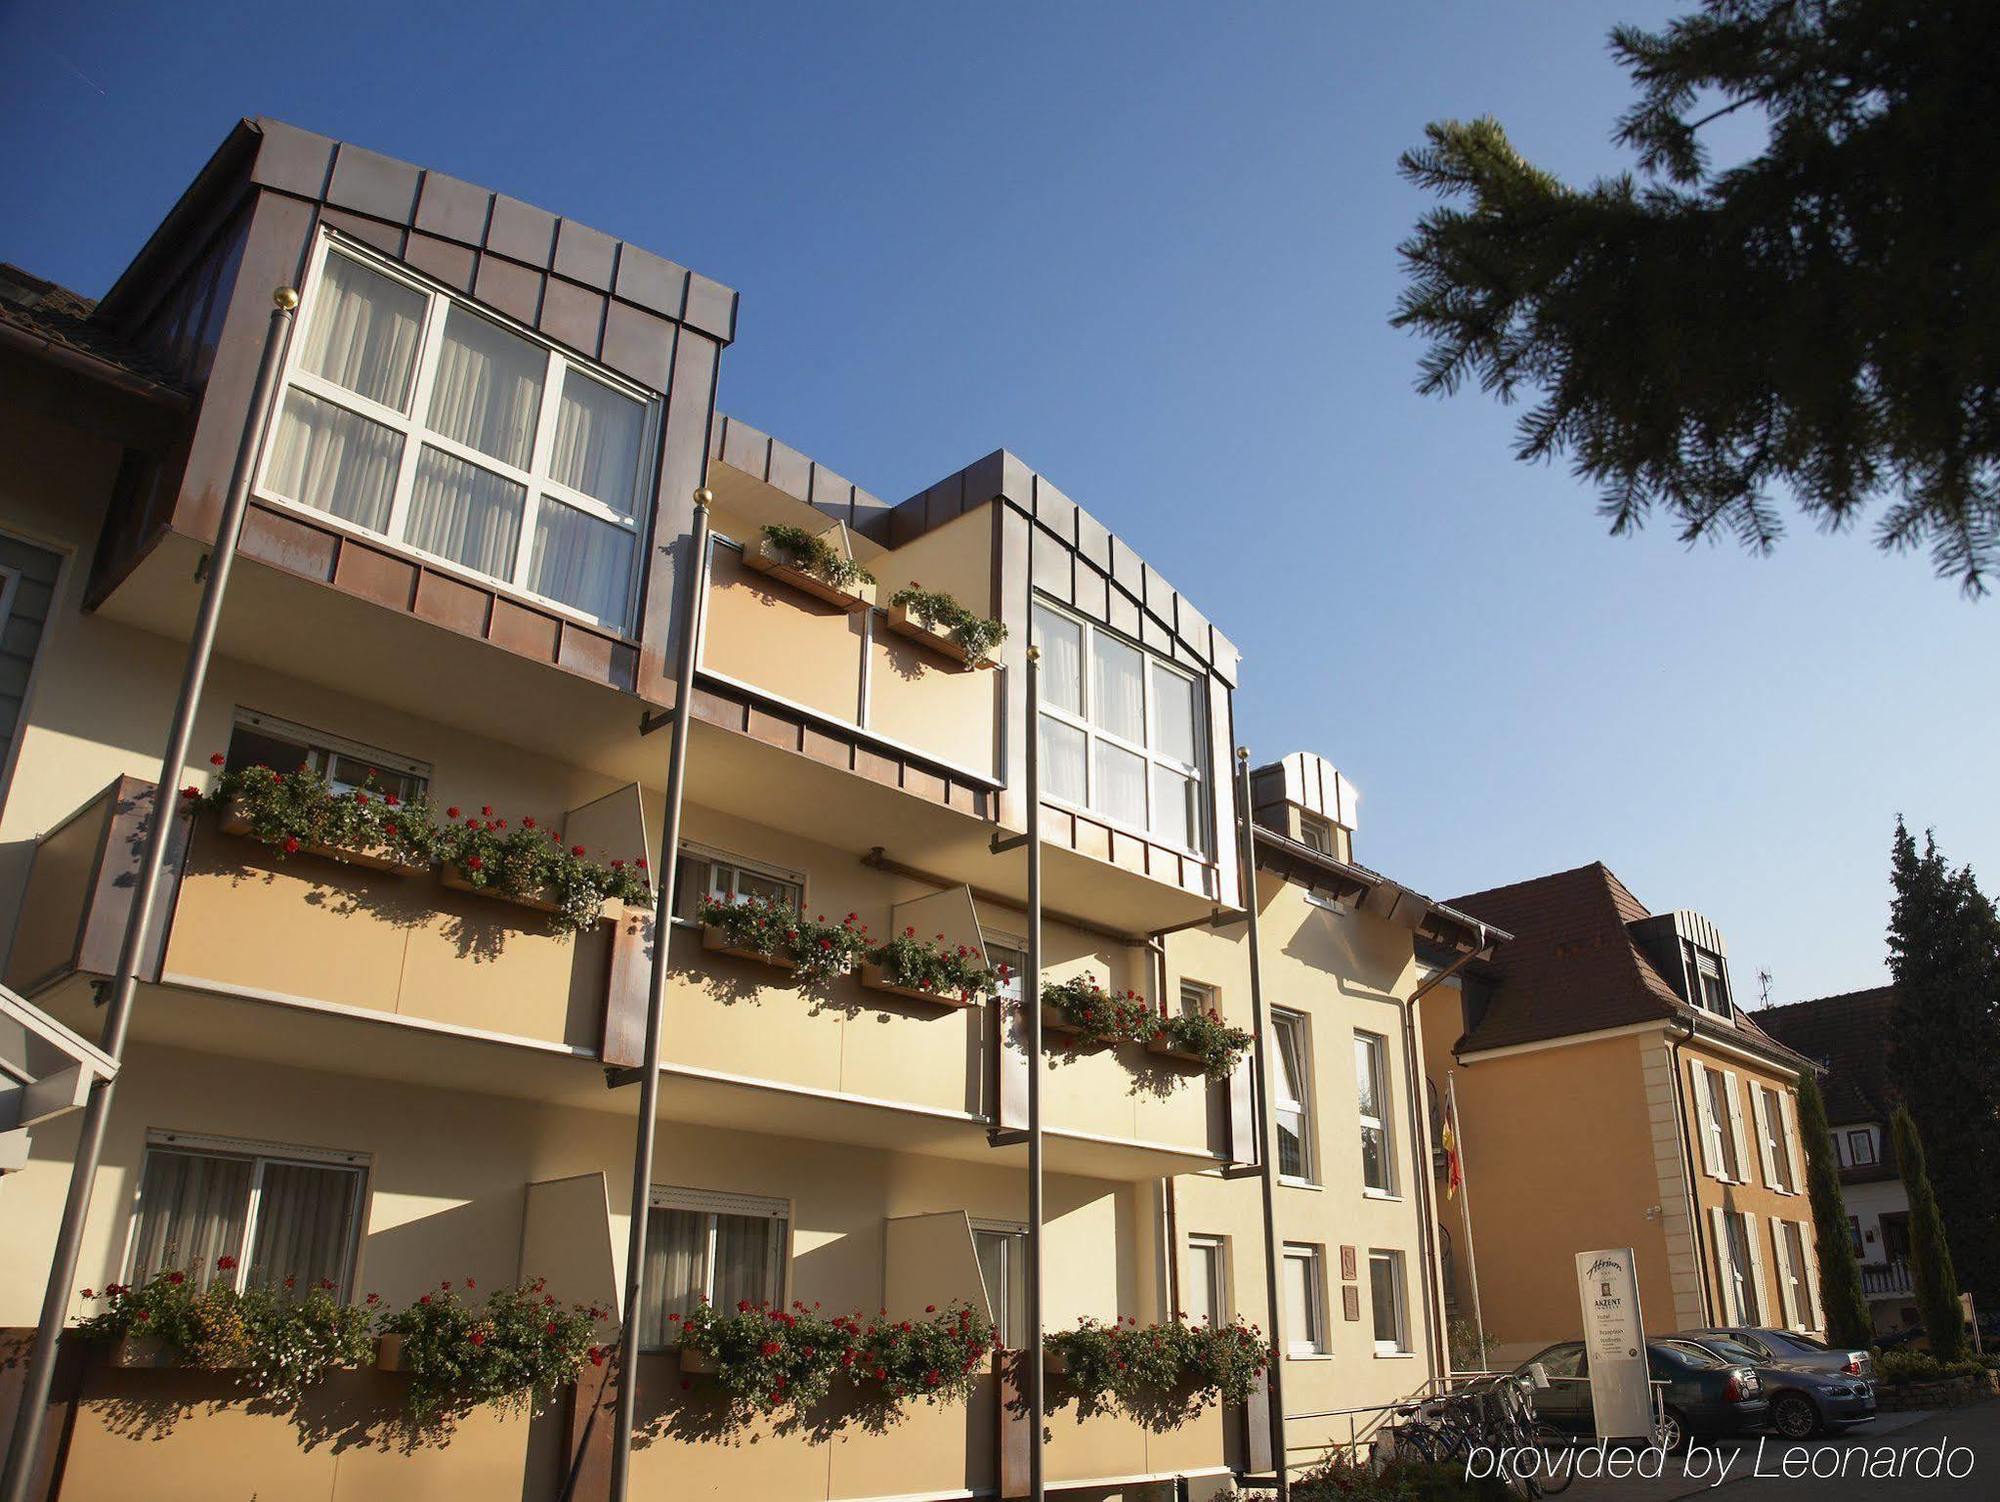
{"points": [[1886, 1279]]}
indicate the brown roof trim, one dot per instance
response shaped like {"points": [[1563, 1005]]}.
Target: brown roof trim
{"points": [[1373, 893], [94, 367], [1748, 1036]]}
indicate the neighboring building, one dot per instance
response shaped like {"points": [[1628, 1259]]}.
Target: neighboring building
{"points": [[1610, 1093], [1848, 1036], [460, 575]]}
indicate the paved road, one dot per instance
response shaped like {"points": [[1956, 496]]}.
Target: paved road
{"points": [[1835, 1469]]}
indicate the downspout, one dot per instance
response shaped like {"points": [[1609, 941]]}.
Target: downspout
{"points": [[1688, 1159], [1031, 999], [28, 1420], [656, 994]]}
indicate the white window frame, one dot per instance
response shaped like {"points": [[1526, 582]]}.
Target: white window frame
{"points": [[322, 746], [1398, 1285], [1094, 735], [1866, 1137], [1779, 1144], [1016, 1246], [1316, 833], [1218, 1266], [259, 1154], [1315, 1341], [411, 425], [1719, 1117], [1301, 1027], [1199, 998], [714, 1202], [1377, 1048], [714, 859]]}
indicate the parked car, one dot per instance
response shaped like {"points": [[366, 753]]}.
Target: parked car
{"points": [[1790, 1348], [1703, 1393], [1804, 1400]]}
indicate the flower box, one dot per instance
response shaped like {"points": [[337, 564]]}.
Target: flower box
{"points": [[875, 978], [768, 558], [388, 1353], [235, 820], [1161, 1046], [904, 623], [541, 901], [1054, 1021], [1054, 1362], [715, 941], [696, 1363], [134, 1351]]}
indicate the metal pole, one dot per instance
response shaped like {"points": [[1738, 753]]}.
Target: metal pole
{"points": [[1031, 999], [1436, 1336], [1261, 1100], [1465, 1209], [26, 1446], [656, 997]]}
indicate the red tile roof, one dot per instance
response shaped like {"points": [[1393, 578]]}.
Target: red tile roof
{"points": [[61, 319], [1849, 1034]]}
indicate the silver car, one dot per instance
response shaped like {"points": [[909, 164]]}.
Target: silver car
{"points": [[1789, 1348]]}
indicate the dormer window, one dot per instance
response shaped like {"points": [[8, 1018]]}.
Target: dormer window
{"points": [[1316, 834], [414, 416], [1708, 979]]}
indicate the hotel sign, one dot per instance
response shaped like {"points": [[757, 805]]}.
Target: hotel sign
{"points": [[1614, 1336]]}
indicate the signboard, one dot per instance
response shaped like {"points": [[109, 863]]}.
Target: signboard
{"points": [[1614, 1336]]}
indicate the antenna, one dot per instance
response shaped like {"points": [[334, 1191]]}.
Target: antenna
{"points": [[1763, 988]]}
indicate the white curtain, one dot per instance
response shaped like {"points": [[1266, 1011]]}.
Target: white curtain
{"points": [[1119, 704], [487, 392], [1173, 716], [305, 1225], [1062, 762], [1061, 641], [465, 513], [1171, 815], [597, 441], [326, 457], [581, 561], [1121, 785], [675, 1276], [363, 331], [192, 1208], [745, 1257]]}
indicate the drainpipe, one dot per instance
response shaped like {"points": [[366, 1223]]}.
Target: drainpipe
{"points": [[28, 1422], [656, 998], [1261, 1103], [1689, 1157], [1031, 999]]}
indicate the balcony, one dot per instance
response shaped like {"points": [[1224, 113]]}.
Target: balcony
{"points": [[1886, 1280]]}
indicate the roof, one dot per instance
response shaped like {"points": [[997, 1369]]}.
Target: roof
{"points": [[1849, 1034], [52, 321], [1574, 967], [1373, 892]]}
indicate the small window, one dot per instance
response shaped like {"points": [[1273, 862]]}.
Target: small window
{"points": [[261, 740], [1371, 1087], [1205, 1298], [277, 1213], [1710, 979], [1854, 1233], [1317, 834], [1198, 998], [1291, 1094], [1387, 1295], [1861, 1148], [1305, 1300], [704, 874], [1002, 1249], [702, 1244]]}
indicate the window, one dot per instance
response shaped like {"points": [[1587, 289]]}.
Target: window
{"points": [[704, 873], [1002, 1248], [1777, 1145], [1708, 977], [1316, 834], [1198, 998], [279, 1212], [1120, 731], [1792, 1267], [1005, 949], [700, 1243], [1386, 1294], [1305, 1300], [1861, 1148], [1290, 1074], [1205, 1298], [1739, 1271], [1371, 1090], [410, 414], [1720, 1121], [265, 740], [1854, 1233]]}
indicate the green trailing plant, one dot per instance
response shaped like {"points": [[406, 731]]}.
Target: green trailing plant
{"points": [[1098, 1015], [1145, 1368], [1932, 1278], [936, 1358], [172, 1308], [1219, 1046], [814, 556], [1846, 1307], [934, 966], [512, 1351], [1899, 1368], [291, 811], [817, 949], [976, 635]]}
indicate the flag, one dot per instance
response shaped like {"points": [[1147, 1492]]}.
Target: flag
{"points": [[1454, 1167]]}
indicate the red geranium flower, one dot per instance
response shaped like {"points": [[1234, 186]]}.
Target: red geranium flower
{"points": [[190, 793], [291, 1282], [597, 1355], [177, 1278], [640, 863], [770, 1348], [217, 760], [145, 1314], [87, 1293], [578, 850], [425, 1299], [452, 812], [486, 809], [474, 863], [359, 796], [478, 1338], [291, 845], [391, 799]]}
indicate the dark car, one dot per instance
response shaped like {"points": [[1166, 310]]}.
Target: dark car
{"points": [[1804, 1400], [1703, 1393], [1789, 1348]]}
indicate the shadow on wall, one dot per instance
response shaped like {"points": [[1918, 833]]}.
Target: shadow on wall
{"points": [[478, 1239]]}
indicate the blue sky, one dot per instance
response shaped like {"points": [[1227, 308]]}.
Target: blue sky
{"points": [[1152, 251]]}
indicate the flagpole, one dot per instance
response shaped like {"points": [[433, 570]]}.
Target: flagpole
{"points": [[1465, 1210], [1031, 1002]]}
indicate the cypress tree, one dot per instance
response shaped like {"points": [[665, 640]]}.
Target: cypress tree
{"points": [[1848, 1322], [1931, 1273]]}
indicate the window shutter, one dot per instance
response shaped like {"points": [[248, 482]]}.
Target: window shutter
{"points": [[1724, 1263], [1788, 1110], [1704, 1119], [1761, 1119], [1788, 1304], [1812, 1320], [1733, 1091], [1759, 1291]]}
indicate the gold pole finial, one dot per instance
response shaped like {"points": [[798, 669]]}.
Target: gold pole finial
{"points": [[1034, 654], [1242, 753], [704, 497], [286, 298]]}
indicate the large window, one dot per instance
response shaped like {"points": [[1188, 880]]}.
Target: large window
{"points": [[704, 1244], [1776, 1145], [275, 1213], [1371, 1089], [1739, 1268], [408, 413], [1386, 1295], [1305, 1299], [1002, 1248], [1205, 1296], [1720, 1121], [1291, 1098], [1121, 731], [265, 740]]}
